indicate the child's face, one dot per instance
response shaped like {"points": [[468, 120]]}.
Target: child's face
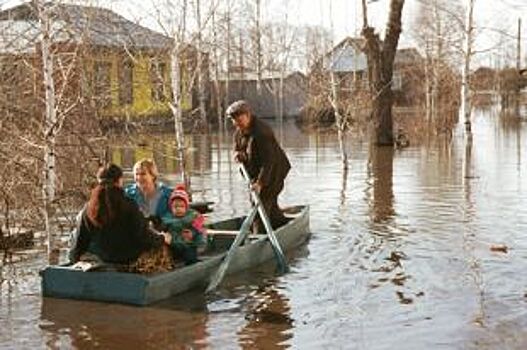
{"points": [[178, 207]]}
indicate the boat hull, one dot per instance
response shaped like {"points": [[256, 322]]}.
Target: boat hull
{"points": [[141, 289]]}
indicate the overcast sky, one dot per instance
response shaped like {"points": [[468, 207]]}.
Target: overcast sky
{"points": [[345, 18]]}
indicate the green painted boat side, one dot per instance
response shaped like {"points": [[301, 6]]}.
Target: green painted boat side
{"points": [[142, 289]]}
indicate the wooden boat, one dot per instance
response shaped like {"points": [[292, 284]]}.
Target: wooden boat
{"points": [[107, 284]]}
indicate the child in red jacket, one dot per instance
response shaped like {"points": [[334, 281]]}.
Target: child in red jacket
{"points": [[185, 225]]}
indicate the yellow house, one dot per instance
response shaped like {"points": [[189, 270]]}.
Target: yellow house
{"points": [[122, 69]]}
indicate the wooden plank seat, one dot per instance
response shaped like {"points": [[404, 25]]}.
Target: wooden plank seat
{"points": [[231, 233]]}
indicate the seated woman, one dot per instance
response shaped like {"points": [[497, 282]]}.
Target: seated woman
{"points": [[111, 227], [151, 196], [186, 227]]}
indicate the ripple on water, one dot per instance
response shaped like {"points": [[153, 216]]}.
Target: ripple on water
{"points": [[399, 257]]}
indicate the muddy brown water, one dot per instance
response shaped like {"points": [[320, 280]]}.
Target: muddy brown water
{"points": [[401, 256]]}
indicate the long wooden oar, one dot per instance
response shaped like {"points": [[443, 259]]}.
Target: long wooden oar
{"points": [[240, 237], [279, 255]]}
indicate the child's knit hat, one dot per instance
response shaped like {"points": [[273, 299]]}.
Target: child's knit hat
{"points": [[179, 192]]}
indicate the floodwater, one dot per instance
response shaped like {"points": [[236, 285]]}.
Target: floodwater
{"points": [[402, 256]]}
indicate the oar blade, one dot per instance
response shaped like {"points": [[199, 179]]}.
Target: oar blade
{"points": [[279, 254], [240, 237]]}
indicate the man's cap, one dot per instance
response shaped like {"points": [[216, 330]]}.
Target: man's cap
{"points": [[237, 108]]}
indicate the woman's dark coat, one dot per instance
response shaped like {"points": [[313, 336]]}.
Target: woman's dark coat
{"points": [[121, 242]]}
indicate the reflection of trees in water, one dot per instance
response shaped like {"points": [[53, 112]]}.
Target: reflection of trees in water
{"points": [[381, 249], [162, 148], [512, 128], [85, 325], [268, 320], [469, 232]]}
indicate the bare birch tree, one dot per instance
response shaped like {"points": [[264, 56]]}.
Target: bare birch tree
{"points": [[50, 124], [258, 44], [466, 106], [44, 119], [439, 31], [199, 65], [216, 65], [177, 32], [340, 119]]}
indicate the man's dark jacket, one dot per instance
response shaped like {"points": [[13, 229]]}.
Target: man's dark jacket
{"points": [[266, 161]]}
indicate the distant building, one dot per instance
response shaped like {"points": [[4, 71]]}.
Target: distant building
{"points": [[349, 63], [484, 79], [265, 103], [109, 66]]}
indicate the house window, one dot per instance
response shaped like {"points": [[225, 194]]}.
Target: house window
{"points": [[102, 85], [126, 82], [157, 79]]}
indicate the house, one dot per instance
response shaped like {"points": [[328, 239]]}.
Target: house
{"points": [[104, 64], [349, 63], [242, 84]]}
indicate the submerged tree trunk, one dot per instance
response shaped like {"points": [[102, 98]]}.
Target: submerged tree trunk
{"points": [[340, 121], [380, 56]]}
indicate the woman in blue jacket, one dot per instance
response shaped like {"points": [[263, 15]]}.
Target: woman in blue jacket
{"points": [[150, 195]]}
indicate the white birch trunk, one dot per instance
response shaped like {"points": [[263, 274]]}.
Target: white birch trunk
{"points": [[258, 49], [175, 106], [437, 60], [465, 91], [428, 87], [340, 121], [228, 78], [219, 109], [518, 66], [281, 97], [50, 125], [199, 67]]}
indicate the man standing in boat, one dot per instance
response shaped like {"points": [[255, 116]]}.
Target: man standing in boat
{"points": [[256, 147]]}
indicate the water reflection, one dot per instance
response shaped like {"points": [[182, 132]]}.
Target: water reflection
{"points": [[399, 255], [84, 325], [125, 151], [268, 316]]}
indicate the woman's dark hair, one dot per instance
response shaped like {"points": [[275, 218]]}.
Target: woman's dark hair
{"points": [[107, 198]]}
